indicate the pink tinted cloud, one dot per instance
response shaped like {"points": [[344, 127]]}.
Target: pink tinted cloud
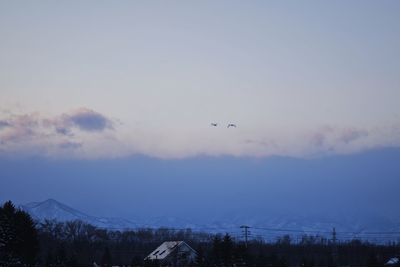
{"points": [[35, 128]]}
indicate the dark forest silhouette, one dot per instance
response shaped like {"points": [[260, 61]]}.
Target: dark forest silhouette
{"points": [[18, 237], [75, 243]]}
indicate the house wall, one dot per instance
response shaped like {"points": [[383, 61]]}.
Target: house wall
{"points": [[181, 257]]}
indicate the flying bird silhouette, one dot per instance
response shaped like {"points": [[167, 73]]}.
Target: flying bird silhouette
{"points": [[214, 124], [231, 125]]}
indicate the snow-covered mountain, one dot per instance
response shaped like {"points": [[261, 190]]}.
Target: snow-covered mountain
{"points": [[53, 210], [267, 226]]}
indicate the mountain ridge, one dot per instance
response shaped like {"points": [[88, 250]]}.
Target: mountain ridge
{"points": [[52, 209], [264, 226]]}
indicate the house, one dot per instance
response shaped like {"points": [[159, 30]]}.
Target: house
{"points": [[393, 262], [173, 253]]}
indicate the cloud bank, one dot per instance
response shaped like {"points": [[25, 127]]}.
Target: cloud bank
{"points": [[35, 133], [87, 133]]}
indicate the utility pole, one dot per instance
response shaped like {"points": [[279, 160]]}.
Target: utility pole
{"points": [[334, 235], [246, 233], [334, 248]]}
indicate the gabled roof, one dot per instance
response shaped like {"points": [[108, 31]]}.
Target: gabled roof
{"points": [[165, 249], [393, 261]]}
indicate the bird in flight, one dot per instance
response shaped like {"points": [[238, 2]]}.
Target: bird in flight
{"points": [[214, 124], [231, 125]]}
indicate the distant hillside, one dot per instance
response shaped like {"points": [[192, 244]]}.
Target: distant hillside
{"points": [[265, 226], [54, 210]]}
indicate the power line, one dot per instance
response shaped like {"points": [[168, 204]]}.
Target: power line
{"points": [[273, 232], [322, 231]]}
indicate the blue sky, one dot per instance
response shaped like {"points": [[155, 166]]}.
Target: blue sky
{"points": [[88, 85]]}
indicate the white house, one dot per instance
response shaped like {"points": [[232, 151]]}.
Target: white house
{"points": [[393, 261], [173, 253]]}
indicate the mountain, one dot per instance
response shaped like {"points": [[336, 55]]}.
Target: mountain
{"points": [[268, 227], [53, 210]]}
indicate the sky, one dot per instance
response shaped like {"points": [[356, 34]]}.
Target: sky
{"points": [[298, 79], [112, 81]]}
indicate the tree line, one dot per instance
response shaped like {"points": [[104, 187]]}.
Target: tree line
{"points": [[24, 242]]}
